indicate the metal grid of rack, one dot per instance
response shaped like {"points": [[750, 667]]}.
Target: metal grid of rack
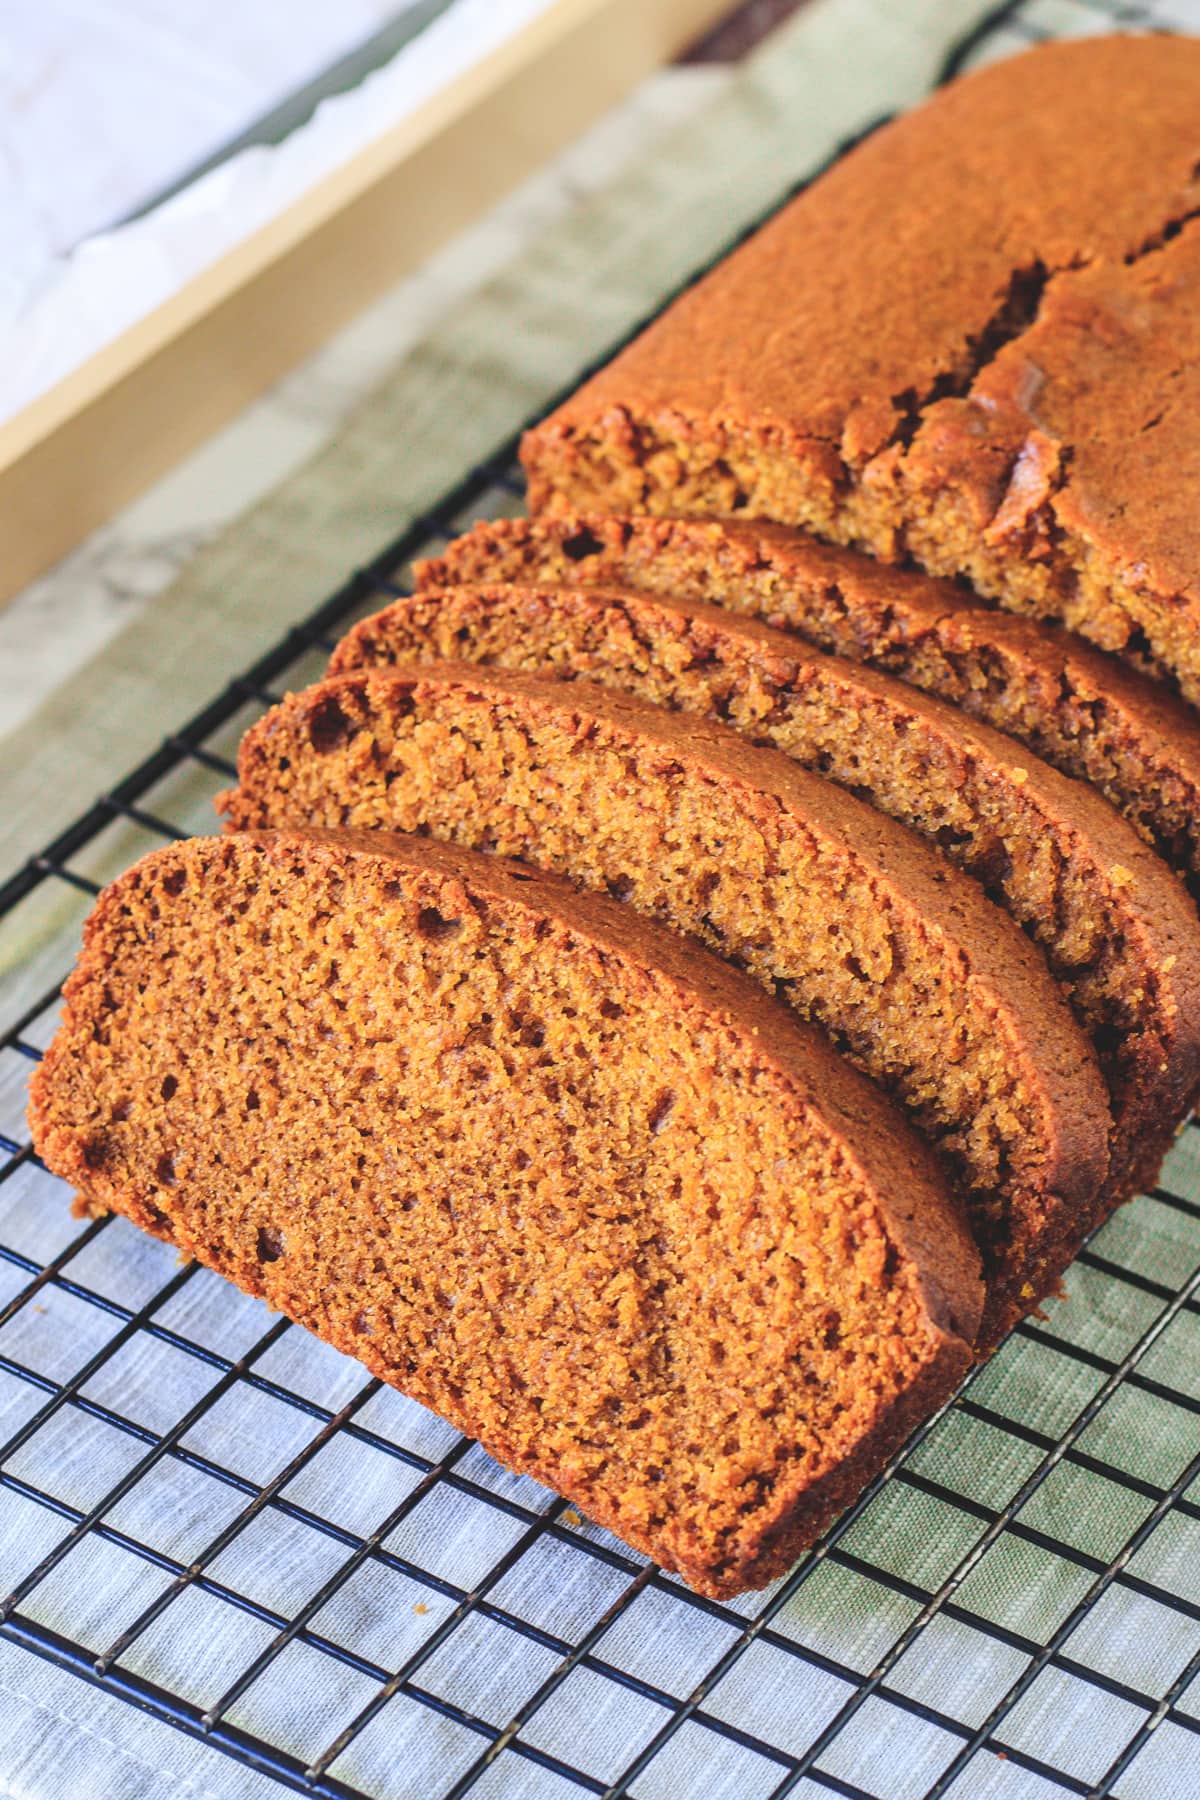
{"points": [[1025, 1568]]}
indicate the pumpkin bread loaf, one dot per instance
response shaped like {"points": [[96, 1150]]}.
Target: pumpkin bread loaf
{"points": [[1117, 928], [855, 921], [1081, 711], [573, 1184], [974, 342]]}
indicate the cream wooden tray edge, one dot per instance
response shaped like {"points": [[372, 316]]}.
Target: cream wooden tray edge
{"points": [[83, 450]]}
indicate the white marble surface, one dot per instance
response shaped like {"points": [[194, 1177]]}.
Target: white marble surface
{"points": [[57, 624]]}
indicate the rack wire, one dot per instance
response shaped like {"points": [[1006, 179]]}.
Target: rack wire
{"points": [[1013, 1608]]}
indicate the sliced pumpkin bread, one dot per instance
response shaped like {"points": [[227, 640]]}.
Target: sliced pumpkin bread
{"points": [[1080, 710], [546, 1168], [852, 919], [1116, 926]]}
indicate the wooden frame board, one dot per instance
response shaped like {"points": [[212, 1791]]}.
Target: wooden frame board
{"points": [[89, 445]]}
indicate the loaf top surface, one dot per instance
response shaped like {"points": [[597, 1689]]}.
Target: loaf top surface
{"points": [[1093, 406], [892, 277], [528, 1157], [973, 342]]}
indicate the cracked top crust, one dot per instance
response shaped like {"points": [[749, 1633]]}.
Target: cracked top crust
{"points": [[1089, 407], [970, 343], [899, 259]]}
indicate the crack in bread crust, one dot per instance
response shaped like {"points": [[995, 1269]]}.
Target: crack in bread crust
{"points": [[972, 344]]}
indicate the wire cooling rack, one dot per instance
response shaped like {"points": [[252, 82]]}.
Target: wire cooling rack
{"points": [[228, 1526]]}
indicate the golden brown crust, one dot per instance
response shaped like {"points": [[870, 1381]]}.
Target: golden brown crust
{"points": [[1117, 928], [237, 915], [972, 342], [524, 766]]}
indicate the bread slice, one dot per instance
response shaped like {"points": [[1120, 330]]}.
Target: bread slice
{"points": [[973, 342], [573, 1184], [1083, 712], [1117, 928], [855, 921]]}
